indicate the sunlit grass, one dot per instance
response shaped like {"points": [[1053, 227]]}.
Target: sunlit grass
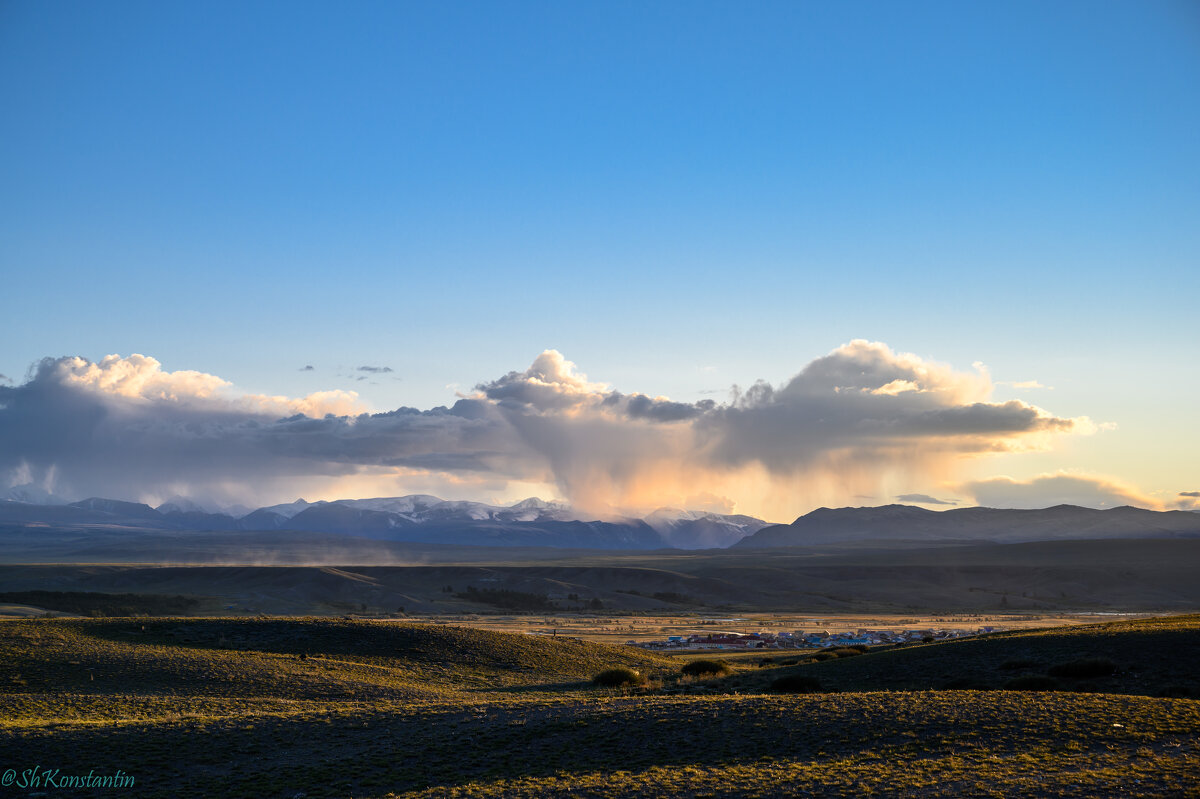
{"points": [[276, 707]]}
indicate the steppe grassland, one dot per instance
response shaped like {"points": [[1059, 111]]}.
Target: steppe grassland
{"points": [[344, 708]]}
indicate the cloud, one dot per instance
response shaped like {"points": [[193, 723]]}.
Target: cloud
{"points": [[308, 368], [375, 369], [1187, 500], [1061, 488], [925, 499], [1024, 384], [5, 379], [849, 422]]}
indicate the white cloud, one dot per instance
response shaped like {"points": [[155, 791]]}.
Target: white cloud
{"points": [[1061, 488], [852, 422]]}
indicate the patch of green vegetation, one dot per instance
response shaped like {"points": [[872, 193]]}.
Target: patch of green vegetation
{"points": [[706, 668], [618, 678], [507, 599], [91, 603]]}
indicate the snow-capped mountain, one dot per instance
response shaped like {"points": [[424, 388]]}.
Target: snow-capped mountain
{"points": [[183, 505], [693, 529], [429, 519], [31, 494]]}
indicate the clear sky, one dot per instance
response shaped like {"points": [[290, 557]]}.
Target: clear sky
{"points": [[677, 197]]}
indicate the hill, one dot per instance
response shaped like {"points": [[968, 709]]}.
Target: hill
{"points": [[284, 707], [1148, 657], [826, 526]]}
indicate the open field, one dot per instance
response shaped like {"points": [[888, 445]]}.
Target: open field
{"points": [[637, 627], [280, 707], [1042, 579]]}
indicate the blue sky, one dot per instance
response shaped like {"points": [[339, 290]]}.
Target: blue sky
{"points": [[676, 196]]}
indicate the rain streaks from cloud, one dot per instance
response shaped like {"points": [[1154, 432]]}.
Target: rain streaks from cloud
{"points": [[844, 425]]}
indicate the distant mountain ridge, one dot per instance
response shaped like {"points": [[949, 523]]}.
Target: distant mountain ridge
{"points": [[417, 518], [426, 519], [826, 526]]}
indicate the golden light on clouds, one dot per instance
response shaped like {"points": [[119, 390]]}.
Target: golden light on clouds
{"points": [[861, 421]]}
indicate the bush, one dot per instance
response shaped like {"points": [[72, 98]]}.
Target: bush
{"points": [[1017, 664], [824, 656], [796, 684], [618, 677], [705, 668], [1035, 682], [1084, 668], [506, 599], [847, 651]]}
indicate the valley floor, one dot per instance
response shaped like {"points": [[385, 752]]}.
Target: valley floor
{"points": [[321, 708]]}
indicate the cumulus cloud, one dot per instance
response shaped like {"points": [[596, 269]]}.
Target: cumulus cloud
{"points": [[1189, 493], [847, 423], [1061, 488], [925, 499]]}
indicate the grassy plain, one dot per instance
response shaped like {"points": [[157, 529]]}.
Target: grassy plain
{"points": [[1046, 579], [620, 629], [335, 708]]}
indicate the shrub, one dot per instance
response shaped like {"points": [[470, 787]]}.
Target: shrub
{"points": [[1084, 668], [796, 684], [705, 668], [824, 656], [1034, 682], [618, 677], [846, 651], [506, 599], [1018, 663]]}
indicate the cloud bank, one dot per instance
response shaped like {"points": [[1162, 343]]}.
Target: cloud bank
{"points": [[1057, 489], [851, 422]]}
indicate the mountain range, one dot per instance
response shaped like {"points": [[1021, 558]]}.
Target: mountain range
{"points": [[417, 518], [910, 524], [425, 519]]}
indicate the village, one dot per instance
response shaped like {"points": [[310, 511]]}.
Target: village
{"points": [[799, 639]]}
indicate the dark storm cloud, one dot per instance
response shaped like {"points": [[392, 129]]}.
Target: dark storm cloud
{"points": [[124, 426]]}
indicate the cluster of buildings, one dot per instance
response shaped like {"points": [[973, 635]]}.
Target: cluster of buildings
{"points": [[801, 640]]}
